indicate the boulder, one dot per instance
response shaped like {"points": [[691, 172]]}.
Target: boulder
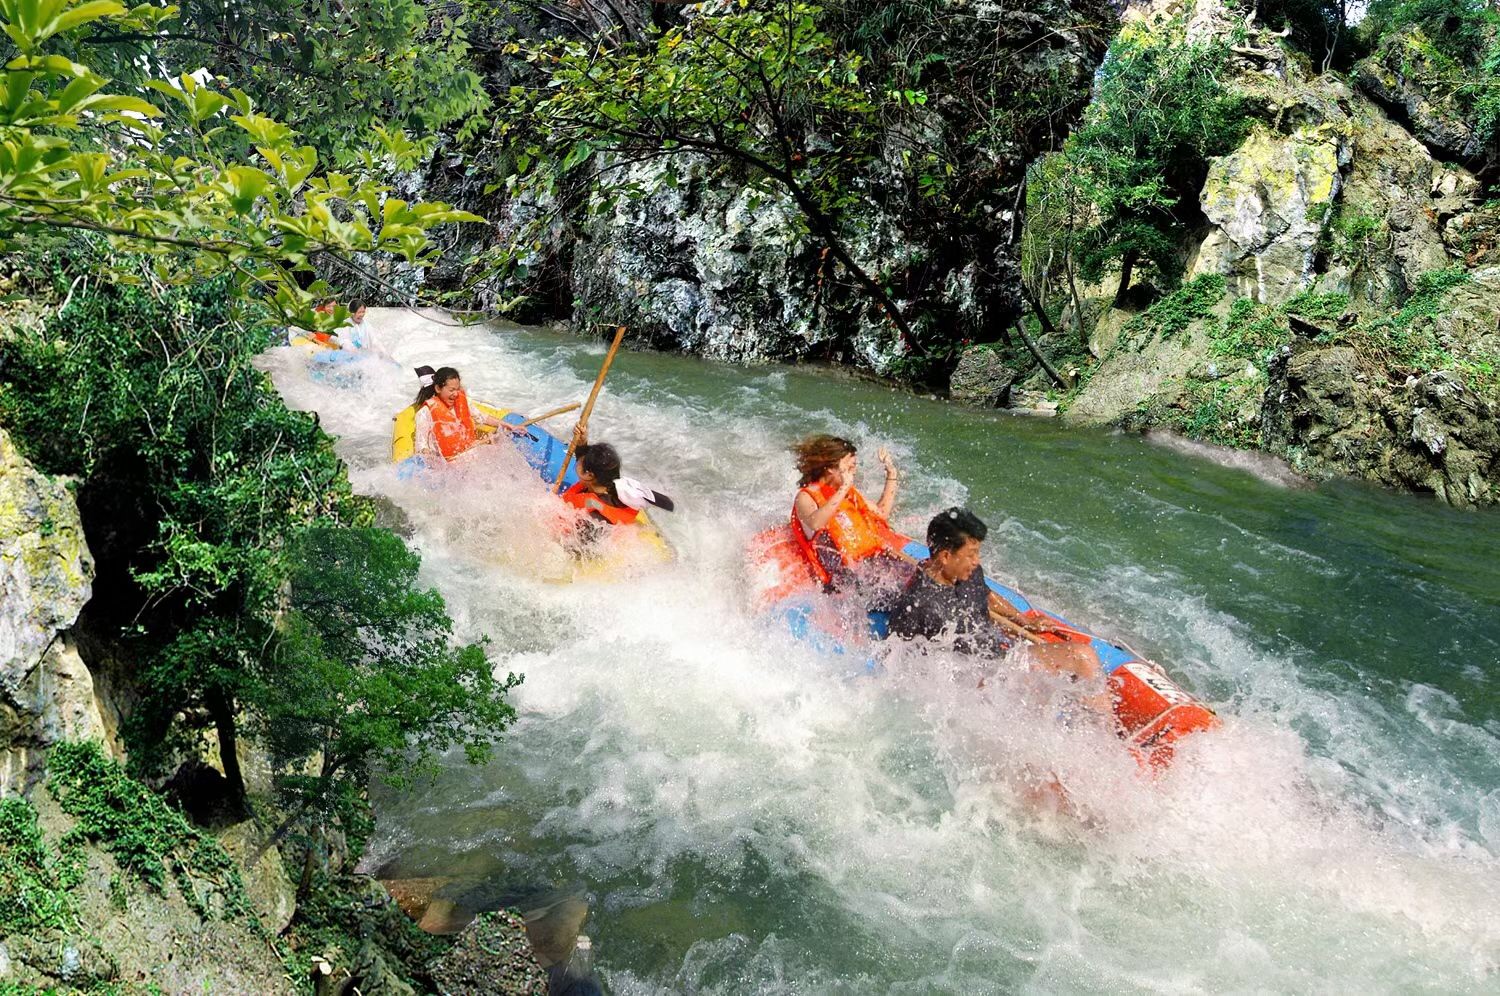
{"points": [[981, 378], [1328, 411], [1269, 201], [267, 884]]}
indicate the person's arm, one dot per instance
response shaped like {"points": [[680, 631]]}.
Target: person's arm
{"points": [[892, 477], [424, 442], [1000, 609], [814, 518]]}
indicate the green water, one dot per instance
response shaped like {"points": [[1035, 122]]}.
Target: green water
{"points": [[747, 816]]}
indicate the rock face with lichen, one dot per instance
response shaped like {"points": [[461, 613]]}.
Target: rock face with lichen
{"points": [[46, 691]]}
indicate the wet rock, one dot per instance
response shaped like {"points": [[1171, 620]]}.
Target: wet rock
{"points": [[492, 957], [981, 378]]}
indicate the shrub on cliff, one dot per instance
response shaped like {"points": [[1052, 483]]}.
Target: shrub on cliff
{"points": [[1160, 111]]}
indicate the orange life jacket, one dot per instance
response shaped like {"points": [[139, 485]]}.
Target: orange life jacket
{"points": [[581, 498], [453, 427], [858, 531]]}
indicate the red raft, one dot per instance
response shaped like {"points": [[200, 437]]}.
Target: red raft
{"points": [[1152, 712]]}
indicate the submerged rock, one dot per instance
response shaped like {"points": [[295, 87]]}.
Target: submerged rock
{"points": [[492, 957]]}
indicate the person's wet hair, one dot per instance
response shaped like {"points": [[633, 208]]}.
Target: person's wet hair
{"points": [[816, 455], [951, 528], [601, 460]]}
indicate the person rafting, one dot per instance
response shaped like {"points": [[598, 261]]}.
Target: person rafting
{"points": [[846, 541], [356, 332], [446, 424], [602, 492], [948, 597]]}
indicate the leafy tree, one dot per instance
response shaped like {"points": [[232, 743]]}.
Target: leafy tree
{"points": [[1160, 111], [76, 156], [762, 90], [331, 72], [194, 477], [364, 674]]}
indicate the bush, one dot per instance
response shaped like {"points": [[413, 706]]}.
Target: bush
{"points": [[1170, 316], [147, 838], [36, 879]]}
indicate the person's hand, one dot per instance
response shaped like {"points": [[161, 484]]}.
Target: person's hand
{"points": [[580, 435], [884, 456], [513, 429]]}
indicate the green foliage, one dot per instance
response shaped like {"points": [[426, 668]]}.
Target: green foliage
{"points": [[335, 73], [1224, 411], [195, 475], [1318, 307], [149, 840], [365, 673], [1355, 237], [36, 878], [1173, 314], [336, 920], [1406, 340], [1160, 111], [182, 183], [1249, 332]]}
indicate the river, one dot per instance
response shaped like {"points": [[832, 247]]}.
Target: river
{"points": [[747, 816]]}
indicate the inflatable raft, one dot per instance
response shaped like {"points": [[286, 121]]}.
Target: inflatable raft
{"points": [[545, 453], [1151, 711]]}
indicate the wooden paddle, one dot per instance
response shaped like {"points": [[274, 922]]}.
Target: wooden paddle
{"points": [[546, 415], [588, 408]]}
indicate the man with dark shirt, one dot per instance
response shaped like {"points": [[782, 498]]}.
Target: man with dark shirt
{"points": [[948, 593]]}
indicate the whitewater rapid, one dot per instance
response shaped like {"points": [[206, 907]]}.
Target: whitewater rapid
{"points": [[748, 816]]}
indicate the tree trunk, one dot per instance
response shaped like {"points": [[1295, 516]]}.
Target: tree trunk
{"points": [[1077, 302], [309, 863], [1127, 267], [823, 226], [1031, 345], [221, 707]]}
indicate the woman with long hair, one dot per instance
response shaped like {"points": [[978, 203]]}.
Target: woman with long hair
{"points": [[846, 541], [445, 422]]}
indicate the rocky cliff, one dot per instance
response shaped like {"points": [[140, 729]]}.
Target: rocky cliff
{"points": [[1340, 299], [711, 264]]}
